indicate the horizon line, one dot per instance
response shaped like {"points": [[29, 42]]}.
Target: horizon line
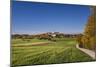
{"points": [[45, 32]]}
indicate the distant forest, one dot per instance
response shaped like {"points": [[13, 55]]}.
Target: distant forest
{"points": [[47, 36]]}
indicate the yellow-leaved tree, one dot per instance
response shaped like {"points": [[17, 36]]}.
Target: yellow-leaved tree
{"points": [[88, 40]]}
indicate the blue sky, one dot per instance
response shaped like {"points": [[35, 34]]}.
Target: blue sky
{"points": [[34, 17]]}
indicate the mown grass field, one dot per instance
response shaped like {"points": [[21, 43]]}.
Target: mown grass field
{"points": [[61, 51]]}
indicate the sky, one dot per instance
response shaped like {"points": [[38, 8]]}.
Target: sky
{"points": [[35, 17]]}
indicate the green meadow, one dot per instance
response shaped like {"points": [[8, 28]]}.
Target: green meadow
{"points": [[63, 50]]}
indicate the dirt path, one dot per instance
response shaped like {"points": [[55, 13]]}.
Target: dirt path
{"points": [[32, 44], [89, 52]]}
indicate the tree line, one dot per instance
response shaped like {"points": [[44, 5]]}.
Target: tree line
{"points": [[47, 36]]}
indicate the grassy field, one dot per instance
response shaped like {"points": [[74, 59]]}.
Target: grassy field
{"points": [[61, 51]]}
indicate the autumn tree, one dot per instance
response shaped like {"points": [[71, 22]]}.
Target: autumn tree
{"points": [[89, 36]]}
